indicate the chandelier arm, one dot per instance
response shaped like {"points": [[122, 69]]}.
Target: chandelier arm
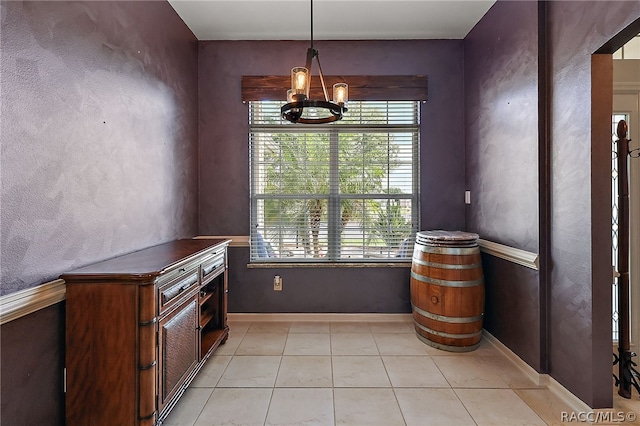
{"points": [[324, 88], [310, 54]]}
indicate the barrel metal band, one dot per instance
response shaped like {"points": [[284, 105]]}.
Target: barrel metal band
{"points": [[452, 320], [447, 283], [449, 335], [447, 347], [448, 250], [447, 265]]}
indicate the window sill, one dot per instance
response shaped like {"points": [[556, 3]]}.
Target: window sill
{"points": [[288, 265]]}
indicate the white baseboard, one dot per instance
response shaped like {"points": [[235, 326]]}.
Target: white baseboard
{"points": [[319, 317], [576, 404], [531, 373]]}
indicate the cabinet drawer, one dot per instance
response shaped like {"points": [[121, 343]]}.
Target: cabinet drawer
{"points": [[212, 267], [180, 286]]}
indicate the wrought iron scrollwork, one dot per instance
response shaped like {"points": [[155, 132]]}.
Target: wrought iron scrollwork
{"points": [[630, 374]]}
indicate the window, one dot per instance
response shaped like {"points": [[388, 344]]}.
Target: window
{"points": [[346, 191], [631, 50], [615, 118]]}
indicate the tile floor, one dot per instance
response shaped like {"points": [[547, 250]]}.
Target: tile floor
{"points": [[361, 374]]}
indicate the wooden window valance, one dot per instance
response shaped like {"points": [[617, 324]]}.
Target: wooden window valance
{"points": [[361, 87]]}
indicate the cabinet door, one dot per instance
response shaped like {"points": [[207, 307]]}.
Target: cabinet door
{"points": [[178, 342]]}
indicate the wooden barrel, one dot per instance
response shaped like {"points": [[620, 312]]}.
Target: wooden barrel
{"points": [[447, 290]]}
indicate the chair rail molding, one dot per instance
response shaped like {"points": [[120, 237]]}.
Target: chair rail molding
{"points": [[27, 301], [512, 254], [236, 240]]}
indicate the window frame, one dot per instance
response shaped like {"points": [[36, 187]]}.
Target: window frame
{"points": [[334, 197]]}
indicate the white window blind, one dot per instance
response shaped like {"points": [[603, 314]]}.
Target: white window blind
{"points": [[345, 191]]}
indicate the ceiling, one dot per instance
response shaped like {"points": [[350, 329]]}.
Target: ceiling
{"points": [[333, 19]]}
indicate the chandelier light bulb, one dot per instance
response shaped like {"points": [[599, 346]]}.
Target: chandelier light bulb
{"points": [[340, 93], [299, 80]]}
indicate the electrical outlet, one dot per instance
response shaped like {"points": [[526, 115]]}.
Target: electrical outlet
{"points": [[277, 283]]}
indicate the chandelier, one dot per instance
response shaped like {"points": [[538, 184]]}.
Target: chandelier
{"points": [[325, 111]]}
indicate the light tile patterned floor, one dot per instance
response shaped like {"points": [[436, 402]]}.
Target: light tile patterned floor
{"points": [[361, 374]]}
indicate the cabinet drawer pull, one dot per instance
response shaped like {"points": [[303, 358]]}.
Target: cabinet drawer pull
{"points": [[211, 268], [150, 416], [147, 323], [147, 367], [177, 289]]}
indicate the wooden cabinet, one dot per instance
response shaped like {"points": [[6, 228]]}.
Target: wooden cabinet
{"points": [[138, 329]]}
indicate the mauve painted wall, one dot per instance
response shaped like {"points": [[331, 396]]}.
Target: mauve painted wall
{"points": [[99, 133], [501, 117], [31, 363], [99, 158], [224, 163], [580, 299], [501, 156], [512, 308], [326, 290]]}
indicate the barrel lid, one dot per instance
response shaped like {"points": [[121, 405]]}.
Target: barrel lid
{"points": [[446, 236]]}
